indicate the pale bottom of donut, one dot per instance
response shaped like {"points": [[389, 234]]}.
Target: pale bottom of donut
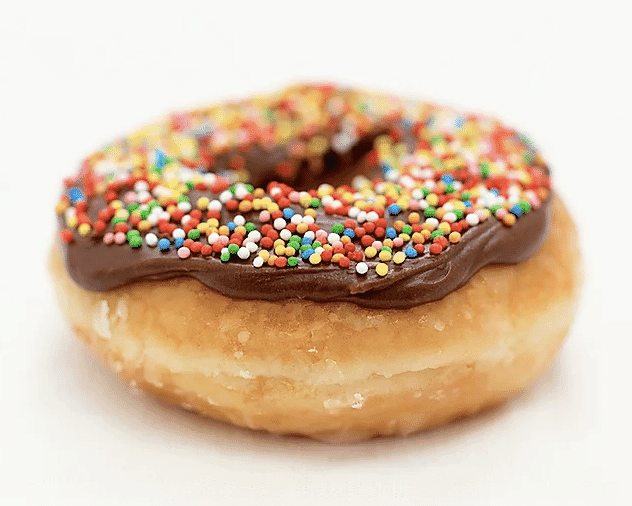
{"points": [[336, 372]]}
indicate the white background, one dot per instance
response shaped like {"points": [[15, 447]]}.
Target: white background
{"points": [[73, 76]]}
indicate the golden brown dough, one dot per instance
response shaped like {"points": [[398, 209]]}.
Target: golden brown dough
{"points": [[336, 371]]}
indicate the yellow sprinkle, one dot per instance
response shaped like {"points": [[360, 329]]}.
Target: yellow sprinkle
{"points": [[213, 222], [385, 255], [144, 226], [310, 212], [279, 250], [454, 237], [426, 233], [388, 242], [314, 259], [428, 226], [84, 229], [301, 228], [413, 218], [273, 206], [116, 204], [508, 220], [290, 251], [381, 269], [202, 227], [399, 257], [418, 238], [345, 239], [264, 254], [61, 207], [370, 252], [171, 208], [404, 237], [444, 227], [440, 213], [224, 230], [245, 206], [272, 259], [72, 221], [258, 193], [202, 203]]}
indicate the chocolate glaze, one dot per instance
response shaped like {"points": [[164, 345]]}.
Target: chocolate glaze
{"points": [[99, 267]]}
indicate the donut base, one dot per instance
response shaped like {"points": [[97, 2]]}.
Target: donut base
{"points": [[336, 371]]}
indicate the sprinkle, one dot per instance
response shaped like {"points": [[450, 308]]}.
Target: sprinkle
{"points": [[362, 268], [399, 257], [164, 244], [66, 236], [184, 252], [381, 269]]}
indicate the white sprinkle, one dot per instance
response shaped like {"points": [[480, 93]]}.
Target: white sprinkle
{"points": [[185, 219], [215, 205], [362, 268], [310, 234], [241, 192], [151, 240], [140, 186], [257, 262], [152, 219], [279, 223], [178, 233], [184, 206], [164, 215], [239, 220], [449, 217], [371, 216], [326, 200], [243, 253], [448, 207], [255, 235], [212, 239], [361, 217], [472, 219], [332, 238], [252, 246], [433, 221], [353, 212], [319, 250], [224, 250], [225, 196], [296, 219], [308, 220], [285, 234]]}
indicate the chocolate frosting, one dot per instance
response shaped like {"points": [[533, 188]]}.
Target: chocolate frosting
{"points": [[99, 267]]}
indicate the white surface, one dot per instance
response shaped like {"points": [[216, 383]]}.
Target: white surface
{"points": [[74, 77]]}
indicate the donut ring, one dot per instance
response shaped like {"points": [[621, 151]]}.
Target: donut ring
{"points": [[347, 343]]}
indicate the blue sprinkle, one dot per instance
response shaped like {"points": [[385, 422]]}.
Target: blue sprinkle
{"points": [[394, 209], [179, 242], [307, 253], [458, 122], [349, 232], [288, 212], [160, 158], [410, 252], [467, 203], [391, 233], [516, 210], [75, 194], [494, 191], [231, 226], [306, 240], [447, 179], [164, 244]]}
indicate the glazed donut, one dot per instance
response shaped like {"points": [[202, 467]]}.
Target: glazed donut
{"points": [[321, 261]]}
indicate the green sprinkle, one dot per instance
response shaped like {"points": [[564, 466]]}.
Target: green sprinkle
{"points": [[132, 207], [250, 188], [429, 212], [316, 244], [386, 248], [190, 185], [484, 169], [132, 233], [152, 204], [135, 241], [183, 198], [458, 213], [528, 157], [450, 188], [295, 238], [436, 233], [292, 261], [495, 208], [407, 229], [315, 203], [338, 228], [233, 249], [466, 196], [525, 206], [117, 219], [305, 247], [144, 214], [250, 227], [425, 191], [194, 234], [225, 257]]}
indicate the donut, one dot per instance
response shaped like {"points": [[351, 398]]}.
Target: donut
{"points": [[321, 261]]}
